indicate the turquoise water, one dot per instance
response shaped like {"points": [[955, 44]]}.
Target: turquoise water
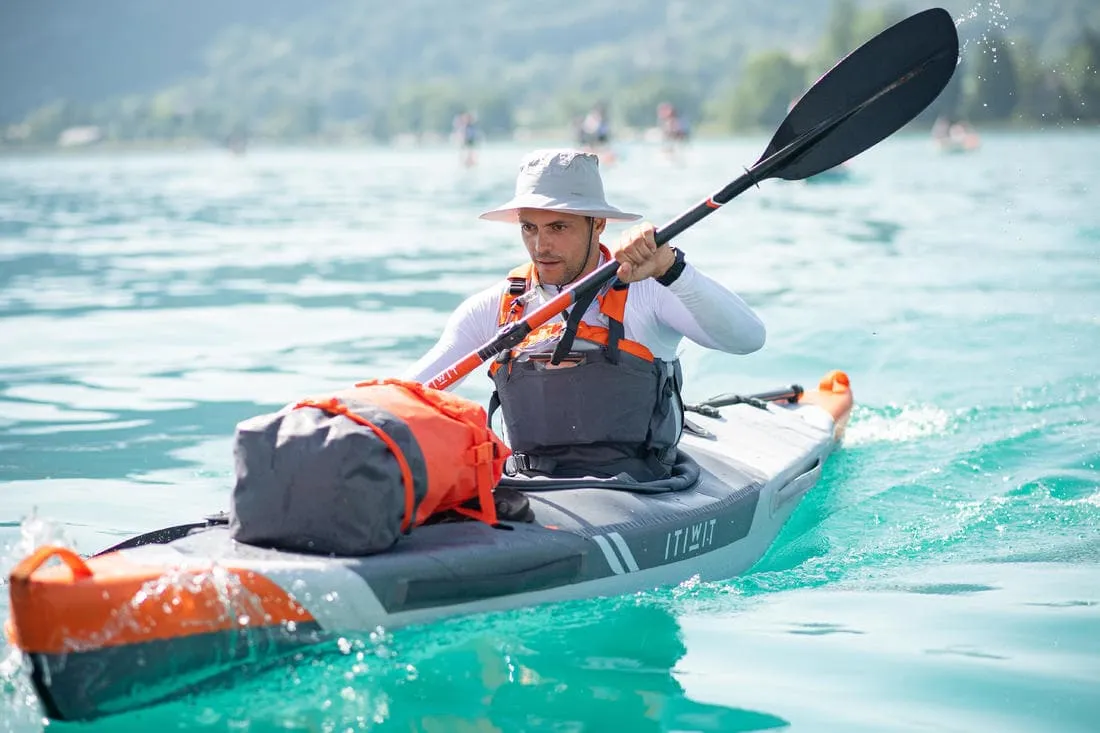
{"points": [[945, 575]]}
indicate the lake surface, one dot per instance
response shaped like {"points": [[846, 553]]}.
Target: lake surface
{"points": [[945, 574]]}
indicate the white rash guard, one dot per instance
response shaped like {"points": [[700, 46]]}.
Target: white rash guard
{"points": [[694, 306]]}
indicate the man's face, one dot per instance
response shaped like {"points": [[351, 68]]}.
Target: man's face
{"points": [[560, 244]]}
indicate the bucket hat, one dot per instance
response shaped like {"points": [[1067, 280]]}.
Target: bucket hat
{"points": [[559, 180]]}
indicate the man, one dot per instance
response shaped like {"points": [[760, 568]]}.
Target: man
{"points": [[467, 135], [595, 392]]}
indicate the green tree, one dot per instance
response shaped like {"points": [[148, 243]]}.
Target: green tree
{"points": [[294, 119], [638, 101], [768, 85], [994, 88], [875, 20], [1039, 88], [839, 39], [425, 108], [1083, 66], [47, 123], [494, 112]]}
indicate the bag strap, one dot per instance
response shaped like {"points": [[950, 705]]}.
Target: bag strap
{"points": [[481, 455], [333, 406]]}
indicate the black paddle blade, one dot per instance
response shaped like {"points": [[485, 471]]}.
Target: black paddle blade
{"points": [[869, 95]]}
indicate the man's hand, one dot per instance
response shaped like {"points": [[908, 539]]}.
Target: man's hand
{"points": [[639, 256]]}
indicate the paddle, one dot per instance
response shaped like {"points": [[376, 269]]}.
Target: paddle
{"points": [[870, 94], [167, 534]]}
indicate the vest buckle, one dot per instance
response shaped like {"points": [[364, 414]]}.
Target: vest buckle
{"points": [[517, 286]]}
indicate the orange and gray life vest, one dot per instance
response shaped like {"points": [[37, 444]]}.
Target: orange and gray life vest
{"points": [[583, 400]]}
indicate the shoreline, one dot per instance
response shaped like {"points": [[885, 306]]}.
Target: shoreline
{"points": [[632, 138]]}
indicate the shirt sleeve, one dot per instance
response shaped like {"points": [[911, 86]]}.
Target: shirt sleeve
{"points": [[472, 324], [708, 313]]}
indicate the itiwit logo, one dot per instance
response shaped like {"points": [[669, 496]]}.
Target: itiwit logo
{"points": [[690, 539]]}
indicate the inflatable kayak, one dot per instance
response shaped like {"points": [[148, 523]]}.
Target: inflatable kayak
{"points": [[177, 609]]}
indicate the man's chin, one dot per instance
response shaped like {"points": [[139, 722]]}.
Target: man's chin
{"points": [[553, 275]]}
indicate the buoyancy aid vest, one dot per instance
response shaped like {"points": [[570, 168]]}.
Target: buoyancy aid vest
{"points": [[583, 400]]}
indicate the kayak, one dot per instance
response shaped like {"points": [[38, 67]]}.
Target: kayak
{"points": [[180, 609]]}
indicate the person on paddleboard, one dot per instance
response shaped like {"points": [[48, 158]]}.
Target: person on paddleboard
{"points": [[466, 133], [593, 392]]}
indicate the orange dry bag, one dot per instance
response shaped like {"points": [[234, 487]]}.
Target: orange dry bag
{"points": [[348, 472]]}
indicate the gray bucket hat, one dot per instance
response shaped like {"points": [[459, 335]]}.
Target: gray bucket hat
{"points": [[559, 180]]}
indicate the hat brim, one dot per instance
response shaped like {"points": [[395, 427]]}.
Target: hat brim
{"points": [[509, 212]]}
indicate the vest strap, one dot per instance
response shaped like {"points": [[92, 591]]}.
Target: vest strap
{"points": [[525, 463], [494, 405], [615, 332], [569, 335]]}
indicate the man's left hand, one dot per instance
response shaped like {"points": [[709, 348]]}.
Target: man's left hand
{"points": [[639, 256]]}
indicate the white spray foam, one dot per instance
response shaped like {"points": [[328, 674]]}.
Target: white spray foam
{"points": [[898, 426]]}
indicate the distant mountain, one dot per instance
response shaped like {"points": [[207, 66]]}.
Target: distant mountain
{"points": [[352, 57]]}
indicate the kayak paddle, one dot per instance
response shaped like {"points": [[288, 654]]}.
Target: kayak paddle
{"points": [[866, 97], [167, 534]]}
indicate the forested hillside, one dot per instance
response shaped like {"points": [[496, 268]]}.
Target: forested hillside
{"points": [[283, 69]]}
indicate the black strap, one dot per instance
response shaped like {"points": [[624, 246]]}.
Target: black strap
{"points": [[525, 463], [710, 411], [572, 323], [494, 405], [615, 332]]}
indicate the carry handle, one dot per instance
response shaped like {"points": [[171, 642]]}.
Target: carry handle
{"points": [[22, 572]]}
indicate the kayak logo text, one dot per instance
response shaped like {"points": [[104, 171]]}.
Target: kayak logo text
{"points": [[690, 539]]}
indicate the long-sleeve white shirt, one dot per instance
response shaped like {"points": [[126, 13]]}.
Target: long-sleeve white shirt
{"points": [[693, 306]]}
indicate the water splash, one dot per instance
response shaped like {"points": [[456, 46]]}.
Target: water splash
{"points": [[20, 703], [996, 21], [896, 424], [34, 532]]}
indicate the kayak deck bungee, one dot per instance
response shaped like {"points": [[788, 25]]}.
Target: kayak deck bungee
{"points": [[135, 626]]}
